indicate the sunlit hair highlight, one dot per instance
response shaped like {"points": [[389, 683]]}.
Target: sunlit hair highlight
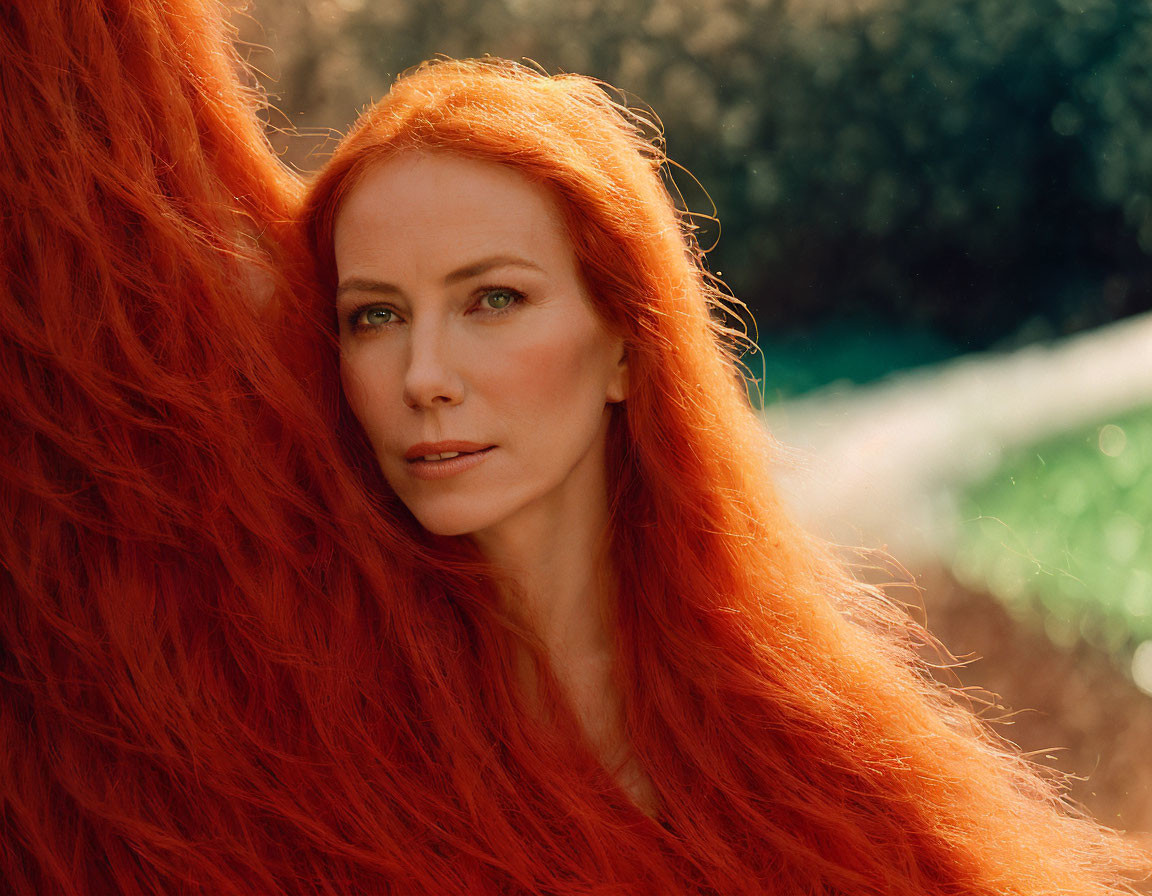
{"points": [[795, 742]]}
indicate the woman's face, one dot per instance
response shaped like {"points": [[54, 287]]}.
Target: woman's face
{"points": [[465, 330]]}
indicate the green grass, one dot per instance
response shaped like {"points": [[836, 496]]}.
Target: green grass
{"points": [[1063, 530]]}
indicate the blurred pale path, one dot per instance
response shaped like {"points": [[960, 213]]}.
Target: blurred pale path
{"points": [[882, 464], [890, 465]]}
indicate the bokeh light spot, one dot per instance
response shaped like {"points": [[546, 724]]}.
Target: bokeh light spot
{"points": [[1142, 667], [1138, 595], [1123, 535], [1112, 440]]}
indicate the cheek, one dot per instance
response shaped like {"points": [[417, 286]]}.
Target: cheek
{"points": [[560, 379], [363, 394], [353, 387]]}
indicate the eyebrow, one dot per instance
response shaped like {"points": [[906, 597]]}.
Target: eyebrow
{"points": [[475, 269]]}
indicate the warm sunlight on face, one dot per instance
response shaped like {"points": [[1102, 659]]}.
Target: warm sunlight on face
{"points": [[470, 351]]}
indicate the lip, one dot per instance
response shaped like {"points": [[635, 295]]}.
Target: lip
{"points": [[423, 449], [442, 469]]}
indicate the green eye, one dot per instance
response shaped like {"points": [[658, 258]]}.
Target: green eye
{"points": [[374, 317], [499, 299]]}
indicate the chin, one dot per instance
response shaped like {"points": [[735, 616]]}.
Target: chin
{"points": [[445, 527], [449, 522]]}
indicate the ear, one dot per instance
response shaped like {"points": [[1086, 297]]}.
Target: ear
{"points": [[618, 383]]}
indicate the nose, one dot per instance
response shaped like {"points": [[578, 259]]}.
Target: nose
{"points": [[431, 379]]}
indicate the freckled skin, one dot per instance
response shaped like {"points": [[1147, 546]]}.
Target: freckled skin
{"points": [[435, 356]]}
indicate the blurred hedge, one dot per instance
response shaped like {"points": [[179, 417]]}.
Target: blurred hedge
{"points": [[968, 166]]}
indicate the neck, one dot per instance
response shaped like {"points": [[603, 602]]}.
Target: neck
{"points": [[554, 557], [555, 563], [556, 560], [553, 552]]}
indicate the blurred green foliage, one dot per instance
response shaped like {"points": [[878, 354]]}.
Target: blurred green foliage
{"points": [[844, 350], [973, 167], [1065, 527]]}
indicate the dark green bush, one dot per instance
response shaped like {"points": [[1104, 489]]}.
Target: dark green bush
{"points": [[969, 164]]}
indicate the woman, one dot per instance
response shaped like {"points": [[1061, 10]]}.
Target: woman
{"points": [[233, 663], [528, 342]]}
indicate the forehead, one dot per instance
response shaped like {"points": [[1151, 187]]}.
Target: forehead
{"points": [[423, 201]]}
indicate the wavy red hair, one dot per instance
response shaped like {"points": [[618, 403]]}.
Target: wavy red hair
{"points": [[209, 683], [229, 667], [795, 743]]}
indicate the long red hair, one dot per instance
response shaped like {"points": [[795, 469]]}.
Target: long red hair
{"points": [[203, 685], [231, 664], [795, 744]]}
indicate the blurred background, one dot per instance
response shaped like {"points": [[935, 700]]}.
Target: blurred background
{"points": [[939, 214]]}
